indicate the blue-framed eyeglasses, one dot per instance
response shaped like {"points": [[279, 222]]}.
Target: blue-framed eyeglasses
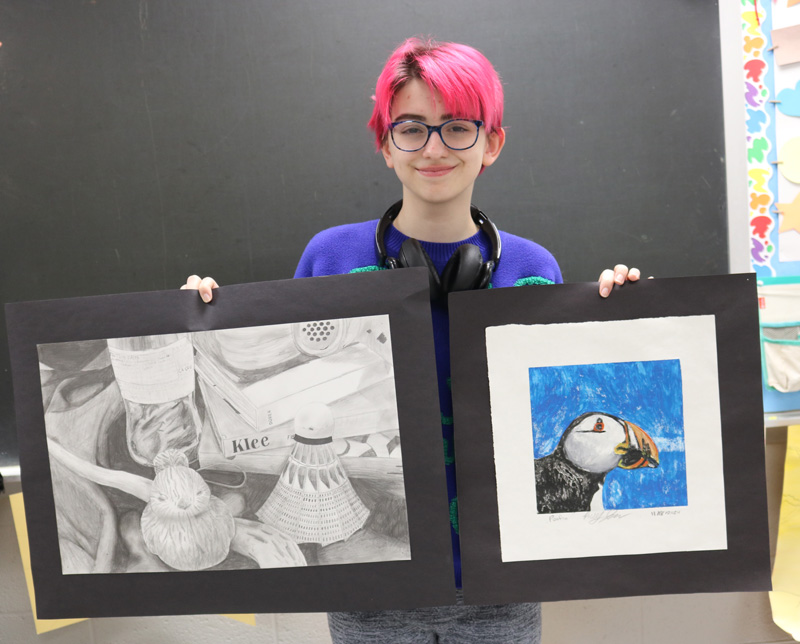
{"points": [[456, 134]]}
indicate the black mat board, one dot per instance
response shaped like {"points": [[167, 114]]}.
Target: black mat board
{"points": [[743, 566], [425, 579]]}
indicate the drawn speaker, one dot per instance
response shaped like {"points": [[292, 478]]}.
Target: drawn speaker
{"points": [[321, 337]]}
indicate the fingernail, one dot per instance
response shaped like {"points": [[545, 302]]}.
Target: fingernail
{"points": [[619, 279], [604, 292], [206, 297]]}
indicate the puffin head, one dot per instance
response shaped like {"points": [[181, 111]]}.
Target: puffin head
{"points": [[598, 442]]}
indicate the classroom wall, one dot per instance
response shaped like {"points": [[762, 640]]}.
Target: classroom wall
{"points": [[723, 618], [145, 141], [712, 618]]}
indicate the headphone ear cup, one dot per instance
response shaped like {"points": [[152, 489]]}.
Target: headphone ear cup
{"points": [[464, 269], [485, 275], [412, 255]]}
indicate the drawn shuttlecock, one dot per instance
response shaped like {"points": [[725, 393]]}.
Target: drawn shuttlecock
{"points": [[314, 501]]}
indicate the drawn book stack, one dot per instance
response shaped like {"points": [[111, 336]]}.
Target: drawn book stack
{"points": [[253, 397]]}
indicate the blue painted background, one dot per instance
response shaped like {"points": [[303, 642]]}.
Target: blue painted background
{"points": [[648, 394]]}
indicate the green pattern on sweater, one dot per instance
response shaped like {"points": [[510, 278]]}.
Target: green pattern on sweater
{"points": [[454, 514], [449, 456], [534, 280]]}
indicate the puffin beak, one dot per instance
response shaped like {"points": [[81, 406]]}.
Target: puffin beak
{"points": [[638, 449]]}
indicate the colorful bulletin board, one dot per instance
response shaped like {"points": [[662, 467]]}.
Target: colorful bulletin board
{"points": [[771, 59], [772, 103]]}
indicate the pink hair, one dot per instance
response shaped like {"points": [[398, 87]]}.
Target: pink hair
{"points": [[465, 79]]}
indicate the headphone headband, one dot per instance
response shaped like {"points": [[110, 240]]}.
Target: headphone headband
{"points": [[480, 219]]}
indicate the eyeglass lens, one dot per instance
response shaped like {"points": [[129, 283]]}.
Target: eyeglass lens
{"points": [[411, 136]]}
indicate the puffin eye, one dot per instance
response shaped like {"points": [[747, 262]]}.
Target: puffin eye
{"points": [[598, 425]]}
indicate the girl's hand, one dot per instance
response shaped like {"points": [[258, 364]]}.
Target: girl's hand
{"points": [[202, 286], [619, 275]]}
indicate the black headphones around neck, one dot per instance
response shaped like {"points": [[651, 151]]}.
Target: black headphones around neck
{"points": [[464, 271]]}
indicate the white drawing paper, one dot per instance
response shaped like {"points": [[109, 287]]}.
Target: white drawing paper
{"points": [[683, 348]]}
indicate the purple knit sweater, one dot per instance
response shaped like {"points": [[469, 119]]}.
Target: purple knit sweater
{"points": [[351, 248]]}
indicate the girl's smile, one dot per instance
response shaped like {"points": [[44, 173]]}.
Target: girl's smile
{"points": [[435, 171]]}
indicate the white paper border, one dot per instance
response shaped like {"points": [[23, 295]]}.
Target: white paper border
{"points": [[527, 536]]}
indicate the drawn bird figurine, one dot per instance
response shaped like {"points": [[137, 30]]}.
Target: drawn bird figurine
{"points": [[570, 479], [313, 500], [187, 527]]}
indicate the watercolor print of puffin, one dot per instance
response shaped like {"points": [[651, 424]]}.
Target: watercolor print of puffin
{"points": [[571, 478]]}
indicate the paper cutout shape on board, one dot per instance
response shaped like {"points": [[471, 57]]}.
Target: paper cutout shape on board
{"points": [[46, 625], [785, 581], [790, 215], [18, 512], [246, 618], [789, 160], [789, 100], [793, 3], [787, 44]]}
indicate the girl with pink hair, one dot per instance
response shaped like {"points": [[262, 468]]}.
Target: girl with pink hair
{"points": [[437, 121]]}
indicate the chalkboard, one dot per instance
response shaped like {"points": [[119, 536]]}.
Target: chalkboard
{"points": [[145, 141]]}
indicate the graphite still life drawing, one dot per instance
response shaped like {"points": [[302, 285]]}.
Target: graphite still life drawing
{"points": [[264, 446]]}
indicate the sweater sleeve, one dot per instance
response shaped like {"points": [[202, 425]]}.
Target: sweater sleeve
{"points": [[525, 262], [309, 258], [339, 250]]}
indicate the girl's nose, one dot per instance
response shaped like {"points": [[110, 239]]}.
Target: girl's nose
{"points": [[435, 146]]}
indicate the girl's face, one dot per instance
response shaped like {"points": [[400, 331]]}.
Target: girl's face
{"points": [[436, 174]]}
